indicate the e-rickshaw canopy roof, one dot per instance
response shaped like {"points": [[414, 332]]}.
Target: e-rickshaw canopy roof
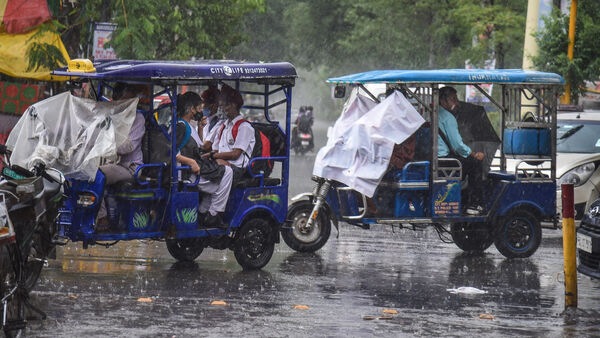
{"points": [[464, 76], [184, 71]]}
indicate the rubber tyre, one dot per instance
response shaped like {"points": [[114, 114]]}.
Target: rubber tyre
{"points": [[15, 307], [34, 262], [29, 239], [185, 249], [472, 237], [518, 234], [300, 238], [254, 244]]}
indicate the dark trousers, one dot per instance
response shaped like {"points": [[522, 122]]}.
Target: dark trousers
{"points": [[472, 171]]}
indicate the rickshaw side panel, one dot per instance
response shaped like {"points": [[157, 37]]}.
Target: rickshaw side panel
{"points": [[183, 213], [532, 195], [243, 201]]}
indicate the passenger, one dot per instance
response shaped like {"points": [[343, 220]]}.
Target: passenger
{"points": [[229, 149], [215, 181], [130, 153], [212, 120], [450, 144], [194, 104]]}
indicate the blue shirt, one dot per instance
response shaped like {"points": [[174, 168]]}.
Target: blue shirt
{"points": [[447, 123]]}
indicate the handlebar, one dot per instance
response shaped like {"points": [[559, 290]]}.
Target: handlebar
{"points": [[39, 169]]}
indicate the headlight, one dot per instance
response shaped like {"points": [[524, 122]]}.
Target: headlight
{"points": [[577, 176]]}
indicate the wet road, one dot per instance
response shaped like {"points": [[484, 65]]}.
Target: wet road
{"points": [[342, 290], [381, 282]]}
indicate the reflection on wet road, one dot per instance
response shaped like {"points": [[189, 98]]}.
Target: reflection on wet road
{"points": [[344, 289]]}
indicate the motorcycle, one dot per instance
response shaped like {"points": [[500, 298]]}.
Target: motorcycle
{"points": [[303, 143], [302, 135], [29, 208]]}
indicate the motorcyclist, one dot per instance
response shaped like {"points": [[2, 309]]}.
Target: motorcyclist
{"points": [[304, 122]]}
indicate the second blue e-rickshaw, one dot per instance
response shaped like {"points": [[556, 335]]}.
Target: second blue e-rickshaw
{"points": [[427, 191]]}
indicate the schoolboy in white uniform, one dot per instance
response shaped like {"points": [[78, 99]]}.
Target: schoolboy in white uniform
{"points": [[227, 149]]}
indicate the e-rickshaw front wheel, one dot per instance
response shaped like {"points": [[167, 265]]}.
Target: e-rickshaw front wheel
{"points": [[254, 244], [518, 234], [301, 237], [185, 249], [472, 237]]}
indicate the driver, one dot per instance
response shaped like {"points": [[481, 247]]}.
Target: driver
{"points": [[450, 144]]}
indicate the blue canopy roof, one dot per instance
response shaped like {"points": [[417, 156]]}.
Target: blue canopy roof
{"points": [[466, 76], [157, 71]]}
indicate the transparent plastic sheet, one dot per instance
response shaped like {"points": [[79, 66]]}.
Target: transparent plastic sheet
{"points": [[71, 134], [354, 108], [360, 144]]}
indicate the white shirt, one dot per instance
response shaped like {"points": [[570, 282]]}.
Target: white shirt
{"points": [[212, 134], [244, 140]]}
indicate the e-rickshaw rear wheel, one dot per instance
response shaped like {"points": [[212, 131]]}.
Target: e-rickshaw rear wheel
{"points": [[254, 244], [472, 237], [298, 236], [518, 234], [185, 249]]}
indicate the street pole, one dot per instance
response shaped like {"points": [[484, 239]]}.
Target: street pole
{"points": [[569, 248], [566, 98]]}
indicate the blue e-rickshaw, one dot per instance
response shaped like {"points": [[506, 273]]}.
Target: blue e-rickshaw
{"points": [[427, 190], [158, 203]]}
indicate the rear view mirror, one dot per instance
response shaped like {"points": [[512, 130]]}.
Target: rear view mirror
{"points": [[339, 92]]}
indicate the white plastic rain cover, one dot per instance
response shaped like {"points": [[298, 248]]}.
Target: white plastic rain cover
{"points": [[71, 134], [359, 149]]}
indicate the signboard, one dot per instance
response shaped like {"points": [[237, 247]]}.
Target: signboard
{"points": [[472, 94], [102, 35]]}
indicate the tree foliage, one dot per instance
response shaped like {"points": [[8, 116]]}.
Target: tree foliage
{"points": [[159, 29], [388, 33], [553, 43]]}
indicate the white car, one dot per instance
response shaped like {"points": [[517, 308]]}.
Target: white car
{"points": [[578, 157]]}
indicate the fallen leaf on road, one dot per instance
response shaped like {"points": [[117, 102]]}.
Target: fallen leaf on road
{"points": [[218, 303], [390, 311], [145, 300], [301, 307], [369, 317], [486, 316]]}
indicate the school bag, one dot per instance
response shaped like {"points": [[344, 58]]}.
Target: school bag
{"points": [[263, 147]]}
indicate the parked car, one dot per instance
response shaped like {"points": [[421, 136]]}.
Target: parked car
{"points": [[588, 242], [578, 158], [578, 142]]}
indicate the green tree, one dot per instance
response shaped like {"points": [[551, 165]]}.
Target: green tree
{"points": [[553, 43], [159, 29]]}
